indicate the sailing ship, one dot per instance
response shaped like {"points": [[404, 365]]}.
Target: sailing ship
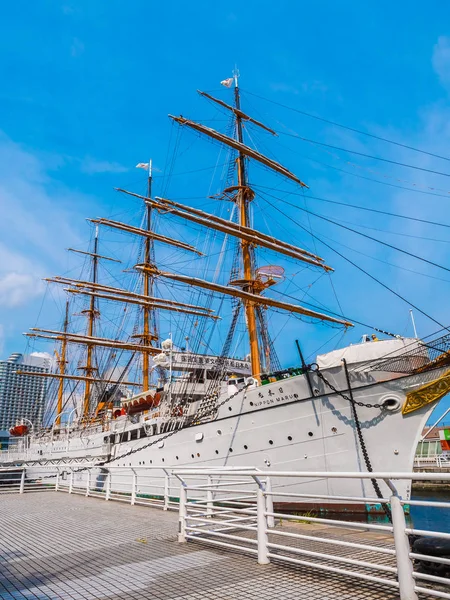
{"points": [[356, 408]]}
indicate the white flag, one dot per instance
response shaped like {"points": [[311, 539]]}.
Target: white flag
{"points": [[142, 166], [227, 82]]}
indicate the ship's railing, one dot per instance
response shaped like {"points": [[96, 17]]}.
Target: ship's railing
{"points": [[248, 510]]}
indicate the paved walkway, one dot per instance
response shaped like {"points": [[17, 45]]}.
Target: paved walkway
{"points": [[54, 546]]}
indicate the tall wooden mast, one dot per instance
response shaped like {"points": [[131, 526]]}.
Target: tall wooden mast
{"points": [[91, 313], [243, 200], [62, 366], [147, 285]]}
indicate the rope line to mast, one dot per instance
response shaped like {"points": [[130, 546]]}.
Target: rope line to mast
{"points": [[359, 131], [362, 270]]}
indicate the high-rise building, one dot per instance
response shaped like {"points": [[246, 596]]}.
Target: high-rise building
{"points": [[22, 396]]}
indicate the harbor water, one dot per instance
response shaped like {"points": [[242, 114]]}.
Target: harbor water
{"points": [[431, 518]]}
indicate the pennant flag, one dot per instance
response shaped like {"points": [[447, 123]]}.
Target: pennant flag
{"points": [[142, 166], [227, 82]]}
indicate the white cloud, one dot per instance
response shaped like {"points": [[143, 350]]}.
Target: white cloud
{"points": [[40, 217], [92, 166], [441, 59], [17, 289]]}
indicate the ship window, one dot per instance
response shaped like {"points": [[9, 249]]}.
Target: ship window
{"points": [[245, 447], [310, 433], [217, 452], [176, 457], [219, 432], [162, 459], [198, 454], [231, 449], [270, 442], [192, 456], [251, 403], [229, 408], [290, 438]]}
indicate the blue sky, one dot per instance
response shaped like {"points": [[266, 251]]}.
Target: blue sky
{"points": [[86, 88]]}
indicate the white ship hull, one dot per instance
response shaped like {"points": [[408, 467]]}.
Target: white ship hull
{"points": [[276, 426]]}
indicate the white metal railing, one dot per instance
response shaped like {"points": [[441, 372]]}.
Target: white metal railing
{"points": [[237, 523], [237, 508], [441, 461]]}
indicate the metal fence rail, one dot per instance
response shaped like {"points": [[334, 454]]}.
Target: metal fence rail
{"points": [[234, 508], [236, 524]]}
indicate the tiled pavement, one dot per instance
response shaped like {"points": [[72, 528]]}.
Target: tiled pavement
{"points": [[53, 546]]}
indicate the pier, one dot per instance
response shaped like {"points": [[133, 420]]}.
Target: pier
{"points": [[56, 543]]}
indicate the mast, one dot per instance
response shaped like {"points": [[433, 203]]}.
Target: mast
{"points": [[91, 314], [243, 201], [62, 367], [147, 287]]}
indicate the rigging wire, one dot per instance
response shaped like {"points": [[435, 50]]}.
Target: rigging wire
{"points": [[362, 270], [371, 156], [359, 131], [365, 235], [356, 206]]}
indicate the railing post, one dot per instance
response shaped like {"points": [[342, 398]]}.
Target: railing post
{"points": [[22, 481], [263, 559], [182, 513], [57, 481], [108, 486], [209, 498], [166, 490], [88, 482], [269, 503], [71, 482], [404, 564], [133, 487]]}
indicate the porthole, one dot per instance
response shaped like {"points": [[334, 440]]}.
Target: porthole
{"points": [[231, 449], [230, 408], [245, 447], [198, 454], [219, 432], [162, 459], [334, 429], [151, 462], [310, 433], [271, 442], [192, 456], [290, 438], [217, 452], [251, 403], [176, 457]]}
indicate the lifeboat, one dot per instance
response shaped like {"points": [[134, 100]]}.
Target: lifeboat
{"points": [[143, 403], [19, 430]]}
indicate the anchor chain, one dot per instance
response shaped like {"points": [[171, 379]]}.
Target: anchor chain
{"points": [[339, 393], [361, 440]]}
